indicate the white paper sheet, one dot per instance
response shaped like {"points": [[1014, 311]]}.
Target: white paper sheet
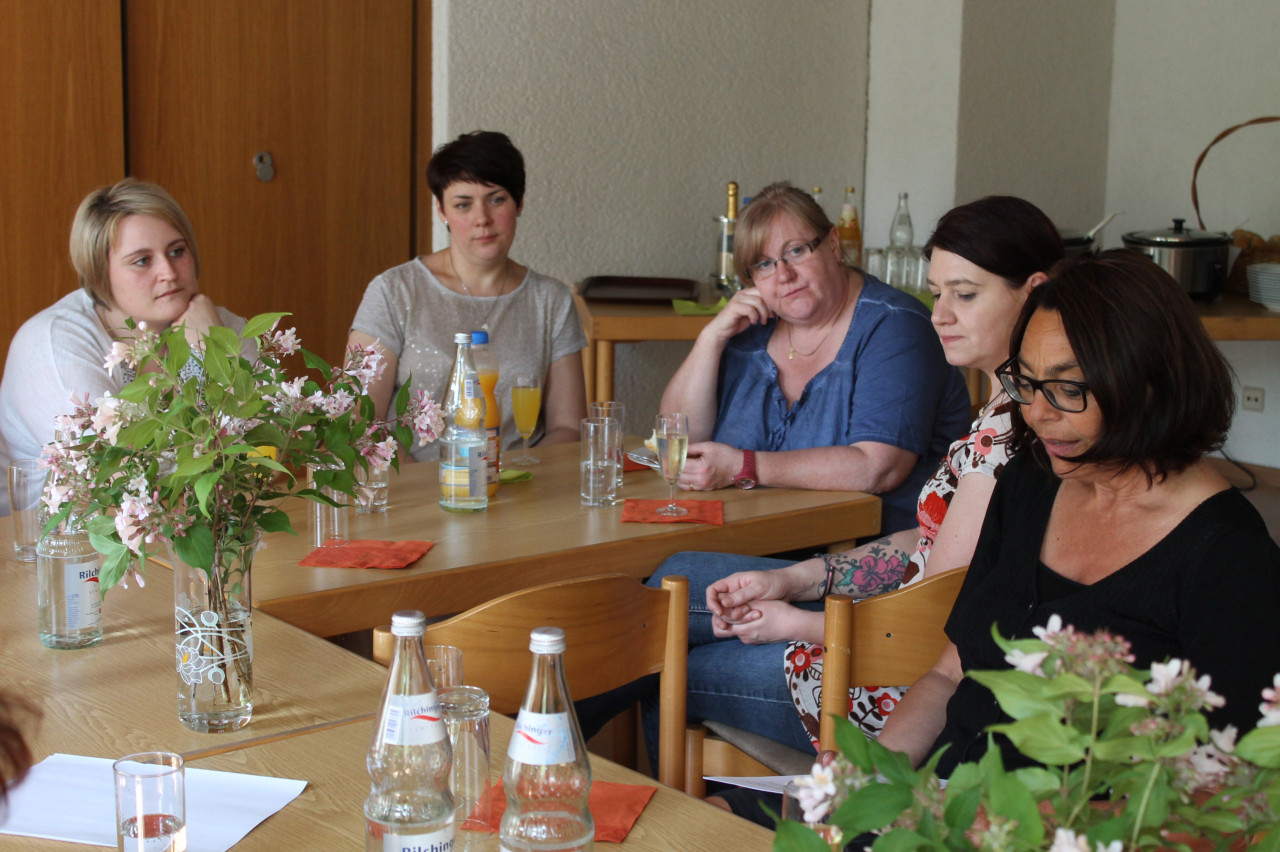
{"points": [[67, 797], [763, 783]]}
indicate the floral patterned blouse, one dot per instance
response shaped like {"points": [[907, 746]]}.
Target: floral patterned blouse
{"points": [[985, 450]]}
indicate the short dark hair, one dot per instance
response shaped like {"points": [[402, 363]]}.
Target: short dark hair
{"points": [[1005, 235], [1164, 390], [483, 156]]}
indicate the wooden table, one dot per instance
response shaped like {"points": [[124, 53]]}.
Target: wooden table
{"points": [[328, 813], [120, 696], [533, 532]]}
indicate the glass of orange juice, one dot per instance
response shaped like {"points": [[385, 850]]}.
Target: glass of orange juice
{"points": [[526, 403]]}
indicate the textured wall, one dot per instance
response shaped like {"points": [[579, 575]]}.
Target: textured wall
{"points": [[632, 116], [1035, 84], [1178, 80]]}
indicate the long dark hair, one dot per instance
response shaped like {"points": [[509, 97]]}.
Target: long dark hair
{"points": [[1005, 235]]}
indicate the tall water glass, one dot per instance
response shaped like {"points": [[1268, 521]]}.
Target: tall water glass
{"points": [[26, 487], [329, 524], [373, 487], [618, 412], [466, 715], [672, 432], [151, 806], [444, 663], [599, 479]]}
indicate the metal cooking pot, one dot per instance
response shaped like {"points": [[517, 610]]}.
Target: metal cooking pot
{"points": [[1197, 259], [1077, 242]]}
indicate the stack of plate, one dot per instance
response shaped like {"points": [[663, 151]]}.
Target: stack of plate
{"points": [[1264, 284]]}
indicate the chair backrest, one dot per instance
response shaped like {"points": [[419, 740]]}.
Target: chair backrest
{"points": [[887, 640], [616, 630]]}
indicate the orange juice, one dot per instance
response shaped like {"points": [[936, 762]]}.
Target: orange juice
{"points": [[525, 404], [492, 425]]}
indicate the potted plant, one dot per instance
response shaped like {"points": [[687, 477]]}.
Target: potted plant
{"points": [[195, 456]]}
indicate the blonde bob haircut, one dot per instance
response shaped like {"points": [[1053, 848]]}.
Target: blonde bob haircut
{"points": [[93, 232], [753, 224]]}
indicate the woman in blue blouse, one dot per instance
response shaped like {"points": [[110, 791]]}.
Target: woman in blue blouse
{"points": [[816, 376]]}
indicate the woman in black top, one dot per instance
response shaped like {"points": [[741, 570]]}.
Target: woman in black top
{"points": [[1112, 518]]}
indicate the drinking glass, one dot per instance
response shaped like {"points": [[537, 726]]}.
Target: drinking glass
{"points": [[151, 808], [444, 662], [26, 487], [466, 716], [526, 402], [618, 412], [330, 525], [371, 497], [672, 432]]}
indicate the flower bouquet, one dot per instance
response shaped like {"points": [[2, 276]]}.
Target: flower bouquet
{"points": [[1127, 762], [195, 455]]}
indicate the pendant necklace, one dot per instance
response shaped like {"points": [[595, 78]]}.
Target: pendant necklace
{"points": [[484, 326], [791, 346]]}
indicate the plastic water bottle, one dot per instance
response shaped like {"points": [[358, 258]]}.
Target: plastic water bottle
{"points": [[547, 776], [409, 805], [487, 370], [464, 466], [69, 597]]}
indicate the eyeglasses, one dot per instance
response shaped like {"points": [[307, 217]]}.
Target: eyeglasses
{"points": [[765, 267], [1068, 396]]}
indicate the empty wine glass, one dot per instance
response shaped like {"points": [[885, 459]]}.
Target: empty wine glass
{"points": [[672, 431], [526, 402]]}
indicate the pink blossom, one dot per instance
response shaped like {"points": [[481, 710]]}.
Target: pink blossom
{"points": [[424, 417], [337, 403], [1025, 662], [118, 354], [1050, 630], [364, 364], [286, 341], [1270, 706], [106, 420]]}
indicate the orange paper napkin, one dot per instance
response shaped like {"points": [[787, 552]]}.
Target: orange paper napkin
{"points": [[630, 465], [614, 807], [700, 512], [367, 553]]}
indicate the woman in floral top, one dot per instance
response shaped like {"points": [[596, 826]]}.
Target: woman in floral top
{"points": [[747, 612]]}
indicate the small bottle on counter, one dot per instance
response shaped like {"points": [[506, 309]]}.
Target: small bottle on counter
{"points": [[68, 595], [547, 775], [726, 279], [850, 229], [901, 233], [409, 804]]}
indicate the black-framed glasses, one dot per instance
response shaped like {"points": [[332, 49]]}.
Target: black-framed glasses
{"points": [[766, 266], [1062, 394]]}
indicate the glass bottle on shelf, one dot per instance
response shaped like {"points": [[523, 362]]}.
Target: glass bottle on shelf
{"points": [[727, 282], [850, 229], [901, 234]]}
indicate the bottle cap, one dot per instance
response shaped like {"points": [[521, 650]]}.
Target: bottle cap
{"points": [[546, 640], [462, 337], [408, 622], [479, 337]]}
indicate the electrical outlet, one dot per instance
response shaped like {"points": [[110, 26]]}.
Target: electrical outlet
{"points": [[1252, 399]]}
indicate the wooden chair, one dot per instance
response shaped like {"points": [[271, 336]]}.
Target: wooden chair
{"points": [[889, 639], [616, 630]]}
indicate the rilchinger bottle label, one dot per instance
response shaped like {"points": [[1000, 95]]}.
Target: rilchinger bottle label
{"points": [[436, 841], [413, 720], [542, 739], [84, 595]]}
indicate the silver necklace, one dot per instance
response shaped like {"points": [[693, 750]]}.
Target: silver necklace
{"points": [[502, 291]]}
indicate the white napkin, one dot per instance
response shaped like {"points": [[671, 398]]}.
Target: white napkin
{"points": [[67, 797]]}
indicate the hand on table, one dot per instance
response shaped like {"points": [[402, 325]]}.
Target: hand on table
{"points": [[709, 466]]}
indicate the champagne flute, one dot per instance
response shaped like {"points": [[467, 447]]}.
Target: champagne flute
{"points": [[672, 432], [526, 402]]}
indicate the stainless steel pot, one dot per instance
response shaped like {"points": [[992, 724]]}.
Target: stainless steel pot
{"points": [[1197, 259]]}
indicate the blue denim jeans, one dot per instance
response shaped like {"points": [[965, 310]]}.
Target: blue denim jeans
{"points": [[730, 681]]}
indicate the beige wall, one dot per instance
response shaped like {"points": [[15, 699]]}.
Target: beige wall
{"points": [[633, 115], [1035, 85]]}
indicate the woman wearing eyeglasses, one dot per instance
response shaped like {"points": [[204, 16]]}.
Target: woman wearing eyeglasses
{"points": [[1112, 518], [815, 376]]}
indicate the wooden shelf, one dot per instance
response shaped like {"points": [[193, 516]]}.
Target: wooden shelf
{"points": [[1233, 317]]}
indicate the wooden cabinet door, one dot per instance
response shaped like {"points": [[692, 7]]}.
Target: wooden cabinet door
{"points": [[325, 88], [61, 135]]}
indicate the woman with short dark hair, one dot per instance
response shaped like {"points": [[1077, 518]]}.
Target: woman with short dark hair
{"points": [[1113, 518], [412, 311]]}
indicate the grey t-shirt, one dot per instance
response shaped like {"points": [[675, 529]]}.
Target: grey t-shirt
{"points": [[416, 316]]}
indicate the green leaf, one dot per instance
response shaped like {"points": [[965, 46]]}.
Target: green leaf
{"points": [[274, 520], [1020, 694], [402, 399], [901, 840], [261, 324], [315, 362], [872, 807], [1044, 739], [798, 837], [179, 351], [188, 466], [1039, 780], [203, 488], [1011, 799], [853, 744], [195, 547], [1261, 746], [961, 809]]}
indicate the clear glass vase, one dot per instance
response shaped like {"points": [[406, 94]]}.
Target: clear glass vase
{"points": [[213, 623]]}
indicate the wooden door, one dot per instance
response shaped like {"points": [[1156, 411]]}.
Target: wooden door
{"points": [[326, 88], [61, 135]]}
